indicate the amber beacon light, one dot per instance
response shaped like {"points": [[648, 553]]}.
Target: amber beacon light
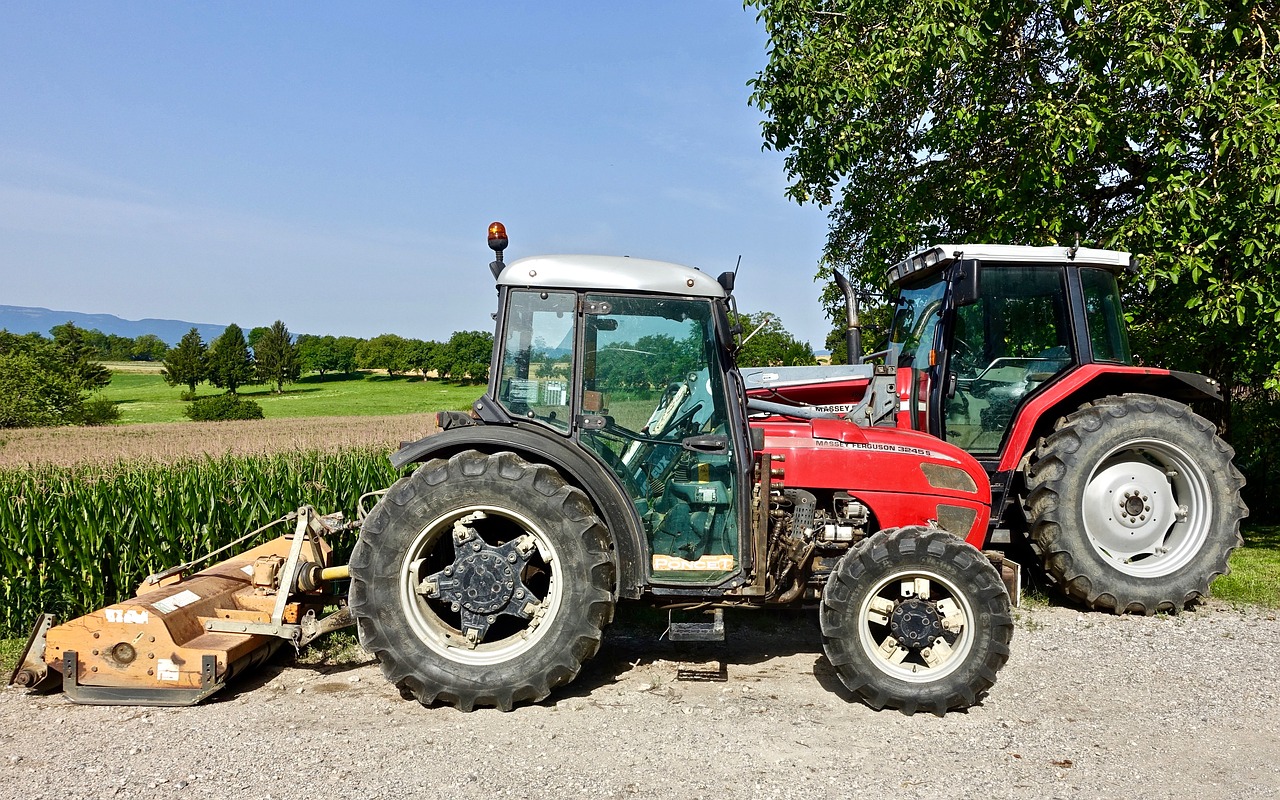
{"points": [[497, 243]]}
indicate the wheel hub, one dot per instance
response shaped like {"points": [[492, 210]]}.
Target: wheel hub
{"points": [[484, 580], [1128, 509], [915, 623]]}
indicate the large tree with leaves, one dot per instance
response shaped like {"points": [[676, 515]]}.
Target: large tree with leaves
{"points": [[230, 362], [276, 359], [768, 344], [1147, 125], [188, 363], [80, 355], [47, 383]]}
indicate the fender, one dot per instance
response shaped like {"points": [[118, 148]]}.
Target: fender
{"points": [[1089, 382], [537, 445]]}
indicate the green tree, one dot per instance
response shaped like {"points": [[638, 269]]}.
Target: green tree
{"points": [[149, 347], [1148, 125], [77, 352], [188, 363], [345, 349], [117, 348], [387, 351], [276, 357], [465, 356], [230, 363], [422, 355], [42, 383], [772, 345], [318, 353], [254, 336]]}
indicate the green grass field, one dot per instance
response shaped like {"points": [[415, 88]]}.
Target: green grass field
{"points": [[145, 397], [1255, 570]]}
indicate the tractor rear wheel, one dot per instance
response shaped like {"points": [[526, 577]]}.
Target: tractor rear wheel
{"points": [[914, 618], [1135, 504], [483, 580]]}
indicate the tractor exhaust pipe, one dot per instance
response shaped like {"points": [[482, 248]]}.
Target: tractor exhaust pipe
{"points": [[853, 335]]}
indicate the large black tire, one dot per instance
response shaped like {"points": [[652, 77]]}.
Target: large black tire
{"points": [[914, 618], [416, 589], [1135, 505]]}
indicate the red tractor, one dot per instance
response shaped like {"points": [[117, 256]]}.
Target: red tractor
{"points": [[616, 455], [1019, 356]]}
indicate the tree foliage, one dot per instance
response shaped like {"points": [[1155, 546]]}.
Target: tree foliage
{"points": [[188, 363], [77, 353], [1146, 125], [230, 362], [45, 383], [386, 351], [772, 345], [275, 356], [465, 356]]}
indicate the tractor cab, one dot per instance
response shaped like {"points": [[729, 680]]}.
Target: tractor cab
{"points": [[984, 327], [636, 371]]}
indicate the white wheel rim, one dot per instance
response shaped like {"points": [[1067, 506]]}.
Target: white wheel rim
{"points": [[1147, 508], [441, 636], [916, 665]]}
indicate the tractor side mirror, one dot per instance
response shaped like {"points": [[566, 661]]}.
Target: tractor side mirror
{"points": [[965, 289]]}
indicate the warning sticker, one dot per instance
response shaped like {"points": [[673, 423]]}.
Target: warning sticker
{"points": [[166, 670], [179, 600]]}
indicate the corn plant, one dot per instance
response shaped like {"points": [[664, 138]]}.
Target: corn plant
{"points": [[73, 539]]}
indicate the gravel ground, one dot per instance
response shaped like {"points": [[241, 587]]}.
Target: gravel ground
{"points": [[1089, 706]]}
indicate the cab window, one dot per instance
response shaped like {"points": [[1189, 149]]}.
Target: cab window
{"points": [[537, 357]]}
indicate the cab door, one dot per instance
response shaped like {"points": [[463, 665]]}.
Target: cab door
{"points": [[1002, 348], [654, 408]]}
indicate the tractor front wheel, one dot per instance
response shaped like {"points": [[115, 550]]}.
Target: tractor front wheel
{"points": [[482, 580], [1135, 504], [914, 618]]}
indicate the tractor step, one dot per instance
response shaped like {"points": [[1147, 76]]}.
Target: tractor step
{"points": [[700, 631]]}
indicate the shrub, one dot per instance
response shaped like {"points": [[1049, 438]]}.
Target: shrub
{"points": [[100, 411], [223, 407]]}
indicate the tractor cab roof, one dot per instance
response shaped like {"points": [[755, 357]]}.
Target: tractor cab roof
{"points": [[936, 258], [609, 274]]}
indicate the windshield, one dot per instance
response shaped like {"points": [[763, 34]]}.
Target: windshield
{"points": [[914, 321]]}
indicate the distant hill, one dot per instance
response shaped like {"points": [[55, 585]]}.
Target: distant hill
{"points": [[24, 319]]}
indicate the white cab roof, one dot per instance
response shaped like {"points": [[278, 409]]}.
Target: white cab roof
{"points": [[934, 259], [609, 274], [1052, 255]]}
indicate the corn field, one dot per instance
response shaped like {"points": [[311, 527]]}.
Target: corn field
{"points": [[73, 539]]}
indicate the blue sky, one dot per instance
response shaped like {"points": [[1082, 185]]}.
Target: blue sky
{"points": [[336, 165]]}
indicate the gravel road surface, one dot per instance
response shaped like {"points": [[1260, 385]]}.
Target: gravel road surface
{"points": [[1089, 706]]}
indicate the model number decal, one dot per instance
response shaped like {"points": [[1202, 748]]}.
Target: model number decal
{"points": [[881, 447]]}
